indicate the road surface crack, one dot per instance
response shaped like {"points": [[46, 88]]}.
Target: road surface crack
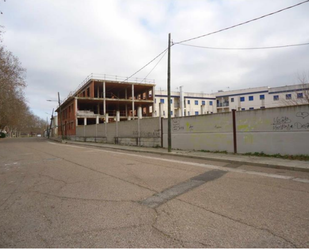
{"points": [[100, 172], [83, 199], [241, 222], [182, 242]]}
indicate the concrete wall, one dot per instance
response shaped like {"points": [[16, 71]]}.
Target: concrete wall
{"points": [[283, 130], [204, 132], [140, 132]]}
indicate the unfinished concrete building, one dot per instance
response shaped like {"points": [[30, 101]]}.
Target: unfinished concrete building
{"points": [[103, 99]]}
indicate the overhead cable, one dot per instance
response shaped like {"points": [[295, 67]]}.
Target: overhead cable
{"points": [[243, 23], [249, 48], [147, 64], [155, 65]]}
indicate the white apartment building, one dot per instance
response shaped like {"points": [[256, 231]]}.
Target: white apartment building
{"points": [[187, 104], [262, 97], [184, 103]]}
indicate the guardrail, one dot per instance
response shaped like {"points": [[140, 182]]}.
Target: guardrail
{"points": [[224, 104], [120, 79]]}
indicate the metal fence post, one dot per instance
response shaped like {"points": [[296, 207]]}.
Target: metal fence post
{"points": [[234, 130]]}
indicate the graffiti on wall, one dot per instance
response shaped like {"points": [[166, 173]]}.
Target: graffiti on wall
{"points": [[284, 123], [176, 126], [154, 133]]}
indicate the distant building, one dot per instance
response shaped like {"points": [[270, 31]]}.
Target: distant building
{"points": [[184, 104], [103, 99], [261, 97], [187, 104]]}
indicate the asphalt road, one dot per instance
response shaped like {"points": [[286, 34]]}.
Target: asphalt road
{"points": [[60, 195]]}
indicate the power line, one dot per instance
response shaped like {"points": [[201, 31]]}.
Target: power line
{"points": [[243, 23], [147, 65], [249, 48], [155, 65]]}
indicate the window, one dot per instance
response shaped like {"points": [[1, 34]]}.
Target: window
{"points": [[163, 113], [188, 113], [250, 98], [171, 113], [262, 96], [188, 101], [203, 102], [155, 100], [232, 99], [210, 102], [171, 101], [243, 109], [242, 99], [276, 97], [162, 101], [196, 102], [251, 108], [288, 96], [300, 95], [262, 107], [196, 113]]}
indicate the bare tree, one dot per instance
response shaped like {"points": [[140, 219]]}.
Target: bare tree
{"points": [[301, 95], [304, 80], [15, 116]]}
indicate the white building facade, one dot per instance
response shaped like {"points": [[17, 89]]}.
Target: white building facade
{"points": [[188, 104], [262, 97], [184, 104]]}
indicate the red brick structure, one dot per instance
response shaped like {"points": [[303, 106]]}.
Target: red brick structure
{"points": [[102, 99]]}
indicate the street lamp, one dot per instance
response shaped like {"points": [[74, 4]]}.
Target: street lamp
{"points": [[51, 120], [59, 114]]}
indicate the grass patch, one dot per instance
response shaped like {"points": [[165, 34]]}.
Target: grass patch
{"points": [[216, 151], [291, 157], [262, 154]]}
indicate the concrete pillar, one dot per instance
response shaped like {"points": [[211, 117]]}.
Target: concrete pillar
{"points": [[117, 116], [133, 101], [85, 121], [153, 103], [75, 111], [160, 110], [106, 118], [76, 122], [75, 106], [97, 120], [181, 102], [104, 99], [139, 113]]}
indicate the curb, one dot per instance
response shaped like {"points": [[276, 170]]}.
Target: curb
{"points": [[266, 165]]}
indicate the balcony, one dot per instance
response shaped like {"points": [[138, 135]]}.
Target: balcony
{"points": [[223, 104]]}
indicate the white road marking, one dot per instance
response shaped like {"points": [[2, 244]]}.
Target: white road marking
{"points": [[73, 146], [9, 164], [208, 166]]}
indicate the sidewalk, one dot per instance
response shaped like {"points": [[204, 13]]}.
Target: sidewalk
{"points": [[244, 159]]}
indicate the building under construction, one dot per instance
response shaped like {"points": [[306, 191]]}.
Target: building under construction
{"points": [[103, 99]]}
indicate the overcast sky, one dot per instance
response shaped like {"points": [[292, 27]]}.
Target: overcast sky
{"points": [[61, 42]]}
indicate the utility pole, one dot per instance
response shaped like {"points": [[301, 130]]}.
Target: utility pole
{"points": [[169, 125], [59, 115], [51, 120]]}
